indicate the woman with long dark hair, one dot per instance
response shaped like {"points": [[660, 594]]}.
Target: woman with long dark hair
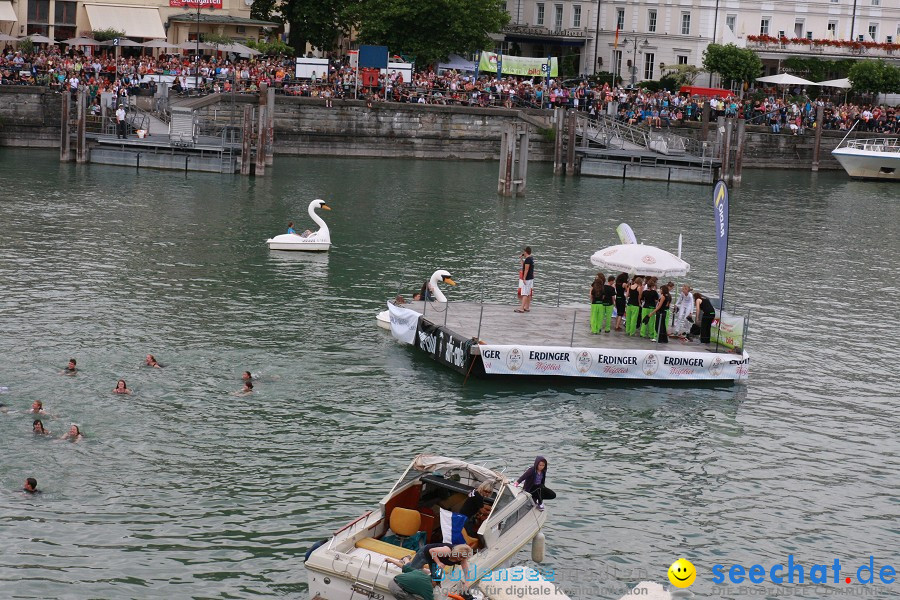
{"points": [[705, 313], [597, 302], [621, 284], [659, 314]]}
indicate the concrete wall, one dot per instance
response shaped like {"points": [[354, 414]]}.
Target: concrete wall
{"points": [[305, 126], [29, 117]]}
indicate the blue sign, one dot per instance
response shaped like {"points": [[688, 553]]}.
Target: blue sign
{"points": [[720, 206], [373, 57]]}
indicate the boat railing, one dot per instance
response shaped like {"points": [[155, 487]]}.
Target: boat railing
{"points": [[875, 144]]}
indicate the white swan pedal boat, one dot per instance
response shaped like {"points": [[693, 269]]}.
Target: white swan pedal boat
{"points": [[316, 241], [351, 563], [383, 319]]}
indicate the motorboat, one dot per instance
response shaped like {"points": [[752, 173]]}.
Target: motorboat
{"points": [[421, 508], [310, 241], [870, 158], [383, 319]]}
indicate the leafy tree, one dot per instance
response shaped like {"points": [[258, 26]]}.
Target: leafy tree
{"points": [[875, 76], [104, 35], [817, 69], [318, 22], [273, 48], [215, 38], [732, 63], [675, 76], [430, 30]]}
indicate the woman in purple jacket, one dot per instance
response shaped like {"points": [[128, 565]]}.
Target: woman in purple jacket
{"points": [[535, 482]]}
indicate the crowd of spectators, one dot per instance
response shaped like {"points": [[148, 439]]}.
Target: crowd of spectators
{"points": [[127, 75]]}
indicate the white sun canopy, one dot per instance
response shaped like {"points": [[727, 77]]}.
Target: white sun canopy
{"points": [[135, 21], [786, 79], [7, 13], [640, 260]]}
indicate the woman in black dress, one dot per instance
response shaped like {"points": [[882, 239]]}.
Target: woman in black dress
{"points": [[621, 285]]}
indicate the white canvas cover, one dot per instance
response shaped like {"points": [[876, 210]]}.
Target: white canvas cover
{"points": [[429, 463], [785, 79], [135, 21]]}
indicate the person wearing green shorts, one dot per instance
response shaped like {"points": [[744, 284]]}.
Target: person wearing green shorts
{"points": [[607, 299], [596, 303], [633, 309], [649, 299]]}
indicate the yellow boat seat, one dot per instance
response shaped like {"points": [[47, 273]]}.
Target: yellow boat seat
{"points": [[384, 548]]}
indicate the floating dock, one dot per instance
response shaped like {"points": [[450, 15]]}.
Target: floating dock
{"points": [[491, 340]]}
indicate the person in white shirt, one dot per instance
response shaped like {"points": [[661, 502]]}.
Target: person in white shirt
{"points": [[683, 309], [120, 122]]}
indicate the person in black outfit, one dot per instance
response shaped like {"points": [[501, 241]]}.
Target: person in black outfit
{"points": [[621, 284], [706, 312], [608, 299], [659, 313], [649, 299]]}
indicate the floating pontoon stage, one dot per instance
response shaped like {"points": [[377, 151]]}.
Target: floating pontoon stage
{"points": [[206, 153], [554, 341]]}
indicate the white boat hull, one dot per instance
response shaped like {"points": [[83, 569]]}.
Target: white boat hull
{"points": [[869, 164], [383, 319], [292, 242]]}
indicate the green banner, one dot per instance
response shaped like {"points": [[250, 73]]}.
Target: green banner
{"points": [[519, 65]]}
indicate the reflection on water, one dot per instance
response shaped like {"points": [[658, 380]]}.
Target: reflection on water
{"points": [[187, 489]]}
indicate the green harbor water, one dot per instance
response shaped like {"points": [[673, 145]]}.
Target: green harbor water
{"points": [[187, 490]]}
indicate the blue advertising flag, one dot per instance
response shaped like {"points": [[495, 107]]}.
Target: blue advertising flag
{"points": [[720, 205], [500, 66]]}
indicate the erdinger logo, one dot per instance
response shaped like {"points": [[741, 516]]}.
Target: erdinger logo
{"points": [[514, 359], [716, 367], [648, 260], [650, 365], [583, 361]]}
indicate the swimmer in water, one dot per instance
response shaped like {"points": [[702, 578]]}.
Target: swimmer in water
{"points": [[38, 428], [37, 408], [121, 387], [246, 376], [70, 368], [152, 362], [74, 434], [247, 389], [30, 486]]}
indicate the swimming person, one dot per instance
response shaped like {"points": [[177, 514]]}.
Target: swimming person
{"points": [[30, 486], [246, 376], [37, 408], [37, 427], [247, 389], [74, 434], [535, 482], [121, 387], [152, 362], [70, 368]]}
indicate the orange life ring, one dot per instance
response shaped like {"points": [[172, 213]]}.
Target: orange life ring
{"points": [[455, 597]]}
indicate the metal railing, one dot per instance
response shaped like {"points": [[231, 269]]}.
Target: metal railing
{"points": [[875, 144]]}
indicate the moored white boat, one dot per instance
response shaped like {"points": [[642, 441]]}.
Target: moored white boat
{"points": [[383, 319], [351, 563], [315, 241], [870, 158]]}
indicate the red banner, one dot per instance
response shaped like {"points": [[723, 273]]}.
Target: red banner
{"points": [[195, 3]]}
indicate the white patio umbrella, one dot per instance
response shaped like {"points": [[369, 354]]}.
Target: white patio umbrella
{"points": [[193, 46], [844, 83], [786, 79], [8, 38], [80, 41], [123, 43], [639, 259], [238, 48], [38, 39], [159, 44]]}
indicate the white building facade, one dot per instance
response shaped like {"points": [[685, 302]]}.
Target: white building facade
{"points": [[654, 33]]}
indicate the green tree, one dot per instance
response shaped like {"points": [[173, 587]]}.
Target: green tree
{"points": [[675, 76], [104, 35], [318, 22], [430, 30], [875, 77], [735, 65]]}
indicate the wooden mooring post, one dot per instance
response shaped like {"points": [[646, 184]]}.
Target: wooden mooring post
{"points": [[261, 135], [739, 151], [558, 123], [513, 160], [65, 140], [270, 126], [726, 150], [81, 149], [246, 139], [820, 118], [570, 143], [704, 122]]}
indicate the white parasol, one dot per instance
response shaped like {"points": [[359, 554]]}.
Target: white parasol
{"points": [[640, 260], [838, 83], [786, 79]]}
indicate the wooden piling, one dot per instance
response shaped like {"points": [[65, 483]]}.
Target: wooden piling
{"points": [[80, 139], [570, 144], [720, 138], [726, 150], [523, 162], [739, 150], [270, 126], [559, 121], [246, 139], [261, 135], [504, 180], [820, 118], [65, 140]]}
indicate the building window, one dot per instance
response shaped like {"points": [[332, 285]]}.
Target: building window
{"points": [[832, 29], [798, 29], [540, 14], [876, 2], [65, 12], [620, 18], [682, 59], [764, 27], [558, 21], [576, 15], [651, 21], [617, 61], [731, 22], [889, 39], [873, 31], [685, 23], [649, 57], [835, 1], [39, 11]]}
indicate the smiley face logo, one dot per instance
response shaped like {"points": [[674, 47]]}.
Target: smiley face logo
{"points": [[682, 573]]}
